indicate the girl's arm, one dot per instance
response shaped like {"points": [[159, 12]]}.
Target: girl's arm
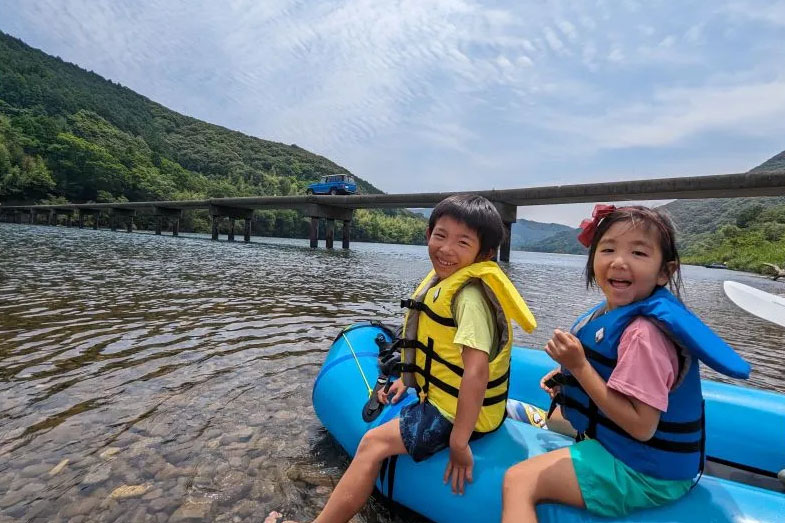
{"points": [[638, 419]]}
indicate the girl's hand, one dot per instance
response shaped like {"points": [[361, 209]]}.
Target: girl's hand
{"points": [[566, 350], [552, 391], [397, 389]]}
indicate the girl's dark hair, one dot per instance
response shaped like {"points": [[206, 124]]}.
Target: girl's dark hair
{"points": [[478, 213], [652, 219]]}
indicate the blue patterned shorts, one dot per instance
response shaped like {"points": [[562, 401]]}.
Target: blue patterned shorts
{"points": [[424, 430]]}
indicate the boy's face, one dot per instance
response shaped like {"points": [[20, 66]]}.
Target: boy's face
{"points": [[452, 245]]}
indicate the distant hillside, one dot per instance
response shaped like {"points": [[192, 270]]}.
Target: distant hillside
{"points": [[67, 134], [529, 235], [564, 242], [697, 218], [744, 233]]}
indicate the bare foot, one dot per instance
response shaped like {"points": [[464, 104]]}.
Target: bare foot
{"points": [[272, 517]]}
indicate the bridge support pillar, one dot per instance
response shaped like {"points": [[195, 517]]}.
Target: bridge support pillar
{"points": [[118, 214], [247, 231], [164, 214], [314, 232], [233, 213], [329, 232], [215, 228], [509, 214], [347, 224], [330, 213], [95, 213]]}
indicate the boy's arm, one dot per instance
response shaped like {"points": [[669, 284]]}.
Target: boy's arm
{"points": [[470, 395], [470, 398]]}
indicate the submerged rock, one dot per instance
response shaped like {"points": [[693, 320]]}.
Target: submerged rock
{"points": [[129, 491], [194, 509], [311, 475], [59, 467]]}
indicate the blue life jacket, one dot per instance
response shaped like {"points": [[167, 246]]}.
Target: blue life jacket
{"points": [[676, 451]]}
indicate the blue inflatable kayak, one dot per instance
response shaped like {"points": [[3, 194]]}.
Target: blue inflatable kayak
{"points": [[745, 438]]}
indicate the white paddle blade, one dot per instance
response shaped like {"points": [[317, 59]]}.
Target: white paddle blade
{"points": [[757, 302]]}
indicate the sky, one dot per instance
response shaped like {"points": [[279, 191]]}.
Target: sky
{"points": [[453, 95]]}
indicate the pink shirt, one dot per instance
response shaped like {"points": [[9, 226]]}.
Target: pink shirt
{"points": [[647, 364]]}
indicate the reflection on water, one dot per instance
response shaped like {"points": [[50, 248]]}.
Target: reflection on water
{"points": [[147, 378]]}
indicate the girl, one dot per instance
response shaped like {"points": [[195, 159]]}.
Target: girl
{"points": [[628, 382]]}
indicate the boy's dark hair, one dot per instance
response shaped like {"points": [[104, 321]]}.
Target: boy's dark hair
{"points": [[652, 219], [478, 213]]}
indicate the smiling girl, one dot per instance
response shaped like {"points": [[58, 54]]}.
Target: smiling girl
{"points": [[628, 383]]}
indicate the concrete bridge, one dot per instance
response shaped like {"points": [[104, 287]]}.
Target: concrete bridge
{"points": [[331, 208]]}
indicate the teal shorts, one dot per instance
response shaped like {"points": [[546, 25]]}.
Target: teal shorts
{"points": [[611, 488]]}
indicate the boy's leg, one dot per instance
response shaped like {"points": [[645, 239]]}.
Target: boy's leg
{"points": [[356, 485], [547, 477]]}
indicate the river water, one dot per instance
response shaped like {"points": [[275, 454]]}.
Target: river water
{"points": [[149, 378]]}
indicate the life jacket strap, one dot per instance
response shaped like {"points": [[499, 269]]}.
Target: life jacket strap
{"points": [[422, 307], [686, 447]]}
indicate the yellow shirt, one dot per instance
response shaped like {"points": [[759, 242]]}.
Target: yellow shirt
{"points": [[476, 324], [475, 320]]}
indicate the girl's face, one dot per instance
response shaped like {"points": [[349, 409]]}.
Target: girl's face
{"points": [[628, 263]]}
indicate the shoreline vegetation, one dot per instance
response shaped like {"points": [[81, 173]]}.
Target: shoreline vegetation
{"points": [[70, 136]]}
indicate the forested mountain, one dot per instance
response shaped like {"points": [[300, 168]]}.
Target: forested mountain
{"points": [[70, 135], [534, 236], [745, 233]]}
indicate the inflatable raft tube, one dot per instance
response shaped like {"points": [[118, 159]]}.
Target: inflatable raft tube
{"points": [[341, 391]]}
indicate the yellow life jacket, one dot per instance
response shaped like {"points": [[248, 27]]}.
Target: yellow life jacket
{"points": [[433, 363]]}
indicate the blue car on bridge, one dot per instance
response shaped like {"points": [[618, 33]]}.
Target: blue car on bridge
{"points": [[333, 184]]}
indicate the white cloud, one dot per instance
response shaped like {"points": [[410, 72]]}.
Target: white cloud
{"points": [[521, 91]]}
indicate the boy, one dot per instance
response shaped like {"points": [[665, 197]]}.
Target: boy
{"points": [[458, 337]]}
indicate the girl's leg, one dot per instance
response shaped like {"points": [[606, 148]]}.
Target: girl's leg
{"points": [[558, 423], [547, 477], [356, 485]]}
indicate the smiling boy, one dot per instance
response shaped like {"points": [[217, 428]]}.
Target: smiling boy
{"points": [[456, 354]]}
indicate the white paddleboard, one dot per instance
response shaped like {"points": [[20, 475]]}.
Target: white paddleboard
{"points": [[757, 302]]}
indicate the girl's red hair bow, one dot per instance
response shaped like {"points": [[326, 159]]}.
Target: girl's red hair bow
{"points": [[589, 226]]}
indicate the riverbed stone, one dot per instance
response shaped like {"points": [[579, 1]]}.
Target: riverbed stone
{"points": [[109, 452], [59, 467], [241, 435], [97, 475], [80, 507], [25, 492], [310, 474], [35, 470], [194, 509], [246, 508], [231, 486], [163, 503], [129, 491]]}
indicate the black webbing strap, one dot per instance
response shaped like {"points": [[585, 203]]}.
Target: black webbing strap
{"points": [[656, 443], [429, 353], [599, 358], [675, 427], [703, 444], [391, 478], [422, 307]]}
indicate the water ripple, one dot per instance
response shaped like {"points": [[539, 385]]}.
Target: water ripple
{"points": [[186, 365]]}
